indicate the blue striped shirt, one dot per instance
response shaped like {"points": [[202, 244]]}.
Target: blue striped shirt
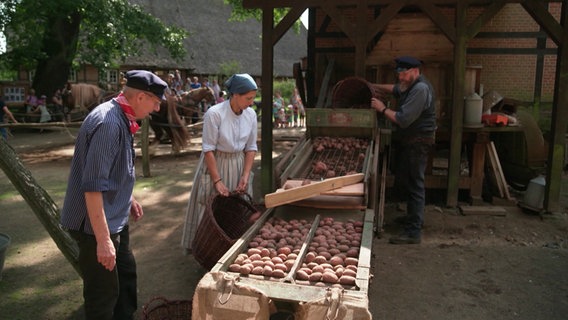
{"points": [[103, 161]]}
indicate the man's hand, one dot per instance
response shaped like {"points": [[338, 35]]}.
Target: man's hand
{"points": [[136, 211], [106, 254]]}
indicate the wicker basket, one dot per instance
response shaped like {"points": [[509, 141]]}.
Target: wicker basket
{"points": [[160, 308], [225, 220], [354, 92]]}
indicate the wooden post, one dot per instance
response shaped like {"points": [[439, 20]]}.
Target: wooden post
{"points": [[145, 153], [458, 104], [267, 179], [39, 201], [559, 121]]}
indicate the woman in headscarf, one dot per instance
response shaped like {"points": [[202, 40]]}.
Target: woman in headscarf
{"points": [[228, 151]]}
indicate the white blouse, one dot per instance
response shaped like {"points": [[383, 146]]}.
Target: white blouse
{"points": [[225, 131]]}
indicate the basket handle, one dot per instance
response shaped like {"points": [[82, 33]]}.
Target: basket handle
{"points": [[247, 196], [146, 308]]}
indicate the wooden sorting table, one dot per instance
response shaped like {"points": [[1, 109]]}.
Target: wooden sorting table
{"points": [[286, 291]]}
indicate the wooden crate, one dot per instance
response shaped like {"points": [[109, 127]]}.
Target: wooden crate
{"points": [[360, 123]]}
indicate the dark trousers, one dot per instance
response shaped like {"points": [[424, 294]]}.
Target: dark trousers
{"points": [[108, 294], [411, 160]]}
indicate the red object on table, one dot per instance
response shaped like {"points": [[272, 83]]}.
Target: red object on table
{"points": [[494, 120]]}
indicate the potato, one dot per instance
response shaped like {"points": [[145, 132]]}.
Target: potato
{"points": [[258, 263], [329, 277], [235, 267], [285, 250], [246, 269], [310, 256], [252, 251], [320, 259], [267, 271], [326, 255], [347, 280], [349, 272], [318, 268], [264, 252], [336, 261], [280, 266], [308, 271], [276, 260], [351, 261], [339, 272], [289, 264], [334, 251], [257, 270], [278, 273], [315, 276], [302, 275], [254, 257], [353, 252], [240, 258], [351, 267], [343, 247]]}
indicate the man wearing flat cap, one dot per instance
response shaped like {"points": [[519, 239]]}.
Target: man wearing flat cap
{"points": [[99, 199], [415, 124]]}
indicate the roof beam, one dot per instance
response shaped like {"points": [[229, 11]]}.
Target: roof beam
{"points": [[487, 15], [540, 13], [439, 19], [262, 4], [286, 23]]}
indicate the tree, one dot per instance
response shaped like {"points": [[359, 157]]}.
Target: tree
{"points": [[241, 14], [50, 36]]}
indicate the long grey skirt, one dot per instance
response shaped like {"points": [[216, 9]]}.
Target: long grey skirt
{"points": [[230, 167]]}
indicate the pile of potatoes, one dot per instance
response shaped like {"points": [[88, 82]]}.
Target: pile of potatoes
{"points": [[273, 251], [337, 156], [333, 253], [332, 256]]}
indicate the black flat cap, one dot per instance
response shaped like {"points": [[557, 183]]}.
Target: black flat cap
{"points": [[405, 62], [146, 81]]}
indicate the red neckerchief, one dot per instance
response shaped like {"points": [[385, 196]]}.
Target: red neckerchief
{"points": [[128, 112]]}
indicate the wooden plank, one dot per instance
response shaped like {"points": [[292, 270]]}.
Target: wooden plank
{"points": [[307, 191], [357, 189], [501, 175], [494, 176], [483, 210], [325, 84], [332, 202]]}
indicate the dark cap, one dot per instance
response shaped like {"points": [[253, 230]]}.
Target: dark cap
{"points": [[146, 81], [405, 62]]}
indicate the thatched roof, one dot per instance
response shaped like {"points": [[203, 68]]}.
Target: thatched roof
{"points": [[214, 40]]}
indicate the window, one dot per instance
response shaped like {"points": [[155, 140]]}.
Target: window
{"points": [[14, 94], [72, 76]]}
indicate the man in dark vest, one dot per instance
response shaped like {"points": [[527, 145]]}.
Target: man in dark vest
{"points": [[415, 124]]}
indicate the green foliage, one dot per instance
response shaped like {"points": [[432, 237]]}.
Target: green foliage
{"points": [[109, 30], [227, 69], [286, 88], [241, 14]]}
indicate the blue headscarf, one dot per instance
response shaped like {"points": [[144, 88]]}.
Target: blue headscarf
{"points": [[240, 83]]}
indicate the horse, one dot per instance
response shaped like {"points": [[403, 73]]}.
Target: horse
{"points": [[168, 122], [82, 96], [190, 102]]}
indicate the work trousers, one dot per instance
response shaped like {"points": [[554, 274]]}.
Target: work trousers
{"points": [[411, 160], [108, 295]]}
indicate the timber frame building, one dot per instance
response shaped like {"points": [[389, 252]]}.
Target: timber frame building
{"points": [[361, 36]]}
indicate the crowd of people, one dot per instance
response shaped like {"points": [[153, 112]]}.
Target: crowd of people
{"points": [[288, 115]]}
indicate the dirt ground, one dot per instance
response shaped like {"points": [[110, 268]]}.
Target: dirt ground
{"points": [[467, 267]]}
